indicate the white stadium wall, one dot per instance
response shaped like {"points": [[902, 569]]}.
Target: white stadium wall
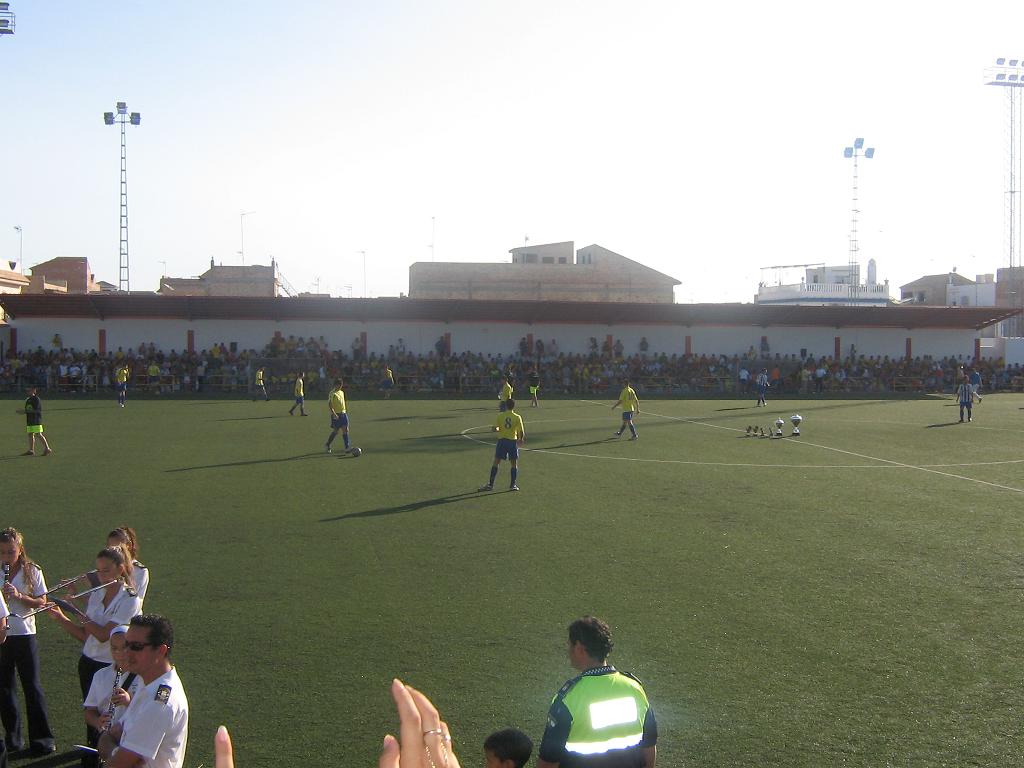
{"points": [[493, 338]]}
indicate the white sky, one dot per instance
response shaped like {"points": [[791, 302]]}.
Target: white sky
{"points": [[702, 139]]}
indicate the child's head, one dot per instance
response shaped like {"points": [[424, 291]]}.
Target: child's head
{"points": [[510, 748]]}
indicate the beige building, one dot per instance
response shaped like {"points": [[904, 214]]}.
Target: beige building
{"points": [[549, 272], [64, 274], [254, 280]]}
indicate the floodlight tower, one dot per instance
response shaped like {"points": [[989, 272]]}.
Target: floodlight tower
{"points": [[1009, 74], [6, 18], [122, 117], [854, 269]]}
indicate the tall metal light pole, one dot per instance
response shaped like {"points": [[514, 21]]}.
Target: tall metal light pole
{"points": [[21, 247], [122, 118], [1009, 74], [364, 272], [241, 224], [854, 269]]}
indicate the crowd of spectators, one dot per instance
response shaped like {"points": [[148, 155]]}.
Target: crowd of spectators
{"points": [[223, 367]]}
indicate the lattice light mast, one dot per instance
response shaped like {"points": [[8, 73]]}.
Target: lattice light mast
{"points": [[123, 118], [856, 152], [1009, 74]]}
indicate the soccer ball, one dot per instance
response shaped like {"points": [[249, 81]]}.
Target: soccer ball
{"points": [[356, 452]]}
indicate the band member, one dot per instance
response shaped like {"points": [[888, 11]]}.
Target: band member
{"points": [[154, 731], [127, 537], [107, 608], [23, 579], [112, 687]]}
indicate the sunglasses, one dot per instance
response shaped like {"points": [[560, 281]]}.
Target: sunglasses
{"points": [[137, 646]]}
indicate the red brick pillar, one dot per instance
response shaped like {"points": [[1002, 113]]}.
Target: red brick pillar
{"points": [[190, 342], [101, 342], [910, 349], [688, 348], [837, 356]]}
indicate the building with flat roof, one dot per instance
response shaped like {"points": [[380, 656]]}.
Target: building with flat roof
{"points": [[231, 280], [546, 272]]}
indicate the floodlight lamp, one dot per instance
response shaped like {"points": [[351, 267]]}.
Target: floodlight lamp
{"points": [[1001, 76], [108, 118], [5, 6], [1013, 62], [869, 152], [858, 143], [122, 108], [848, 152], [1000, 62], [135, 118]]}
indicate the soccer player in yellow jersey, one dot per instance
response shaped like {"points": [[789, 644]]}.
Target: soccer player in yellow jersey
{"points": [[339, 415], [261, 385], [389, 381], [630, 406], [300, 396], [121, 381], [505, 395], [511, 435]]}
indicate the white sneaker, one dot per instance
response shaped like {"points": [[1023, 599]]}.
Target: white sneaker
{"points": [[635, 437], [514, 488], [328, 449]]}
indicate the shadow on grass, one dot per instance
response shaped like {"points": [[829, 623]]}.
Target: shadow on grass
{"points": [[413, 417], [737, 408], [434, 437], [412, 506], [943, 424], [254, 418], [300, 457], [609, 439]]}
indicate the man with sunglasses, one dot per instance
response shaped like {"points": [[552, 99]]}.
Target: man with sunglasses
{"points": [[154, 730]]}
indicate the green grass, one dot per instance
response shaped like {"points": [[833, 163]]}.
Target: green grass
{"points": [[799, 602]]}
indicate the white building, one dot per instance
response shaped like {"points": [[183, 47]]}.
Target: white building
{"points": [[823, 286]]}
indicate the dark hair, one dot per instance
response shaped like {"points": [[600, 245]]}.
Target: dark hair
{"points": [[510, 744], [160, 630], [510, 404], [128, 537], [594, 634]]}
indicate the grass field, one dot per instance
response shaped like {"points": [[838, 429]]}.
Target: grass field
{"points": [[849, 597]]}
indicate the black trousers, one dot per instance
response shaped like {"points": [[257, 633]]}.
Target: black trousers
{"points": [[86, 669], [20, 655]]}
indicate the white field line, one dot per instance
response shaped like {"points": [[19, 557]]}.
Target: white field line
{"points": [[886, 462]]}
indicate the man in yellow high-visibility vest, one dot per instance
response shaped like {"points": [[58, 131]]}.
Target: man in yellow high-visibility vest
{"points": [[602, 716]]}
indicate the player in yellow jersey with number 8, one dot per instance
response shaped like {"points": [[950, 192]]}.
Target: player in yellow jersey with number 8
{"points": [[511, 435]]}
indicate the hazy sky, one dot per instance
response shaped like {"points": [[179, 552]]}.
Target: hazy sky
{"points": [[702, 139]]}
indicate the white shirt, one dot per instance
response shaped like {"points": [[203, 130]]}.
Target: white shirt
{"points": [[4, 613], [156, 723], [120, 611], [16, 626], [141, 575], [103, 686]]}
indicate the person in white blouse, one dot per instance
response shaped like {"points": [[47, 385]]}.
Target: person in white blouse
{"points": [[127, 537], [107, 608], [23, 580], [112, 687]]}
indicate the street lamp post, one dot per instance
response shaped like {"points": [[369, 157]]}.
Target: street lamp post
{"points": [[123, 118], [241, 225], [21, 247], [364, 272]]}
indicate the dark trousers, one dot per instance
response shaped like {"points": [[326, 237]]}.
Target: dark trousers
{"points": [[86, 669], [19, 654]]}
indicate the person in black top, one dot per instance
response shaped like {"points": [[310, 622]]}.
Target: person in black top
{"points": [[533, 380], [33, 411]]}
